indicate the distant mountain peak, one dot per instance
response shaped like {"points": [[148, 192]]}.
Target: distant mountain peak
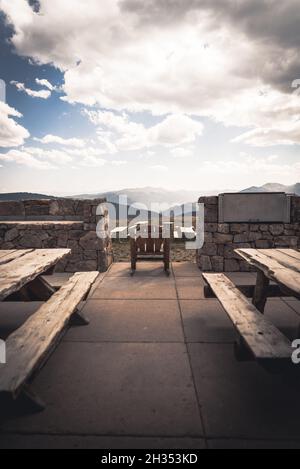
{"points": [[275, 187], [17, 196]]}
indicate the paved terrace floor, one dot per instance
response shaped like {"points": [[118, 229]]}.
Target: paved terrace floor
{"points": [[155, 369]]}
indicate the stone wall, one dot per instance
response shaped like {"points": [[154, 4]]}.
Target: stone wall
{"points": [[58, 223], [217, 254]]}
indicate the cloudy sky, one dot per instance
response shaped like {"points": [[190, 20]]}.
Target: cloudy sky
{"points": [[108, 94]]}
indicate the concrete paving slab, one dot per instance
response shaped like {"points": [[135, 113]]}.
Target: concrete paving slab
{"points": [[125, 380], [242, 400], [146, 288], [144, 269], [96, 442], [206, 321], [57, 280], [293, 303], [115, 389], [253, 444], [283, 316], [130, 320], [190, 288], [14, 314], [97, 283], [186, 269], [242, 278]]}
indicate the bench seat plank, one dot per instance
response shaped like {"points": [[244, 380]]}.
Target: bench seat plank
{"points": [[262, 338], [29, 346], [283, 272], [23, 270]]}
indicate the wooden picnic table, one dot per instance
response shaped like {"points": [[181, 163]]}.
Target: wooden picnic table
{"points": [[257, 337], [28, 348], [20, 268], [281, 266]]}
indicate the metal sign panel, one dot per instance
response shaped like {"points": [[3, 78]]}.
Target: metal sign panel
{"points": [[266, 207]]}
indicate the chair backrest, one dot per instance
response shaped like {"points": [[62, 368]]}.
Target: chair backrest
{"points": [[149, 239]]}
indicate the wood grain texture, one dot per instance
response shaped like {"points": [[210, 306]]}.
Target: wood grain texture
{"points": [[5, 252], [151, 246], [280, 267], [291, 252], [8, 256], [29, 347], [23, 270], [260, 295], [262, 338], [283, 257]]}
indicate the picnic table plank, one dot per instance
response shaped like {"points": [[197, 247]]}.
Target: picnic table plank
{"points": [[291, 253], [288, 278], [23, 270], [13, 254], [263, 339], [282, 258], [29, 346], [5, 252]]}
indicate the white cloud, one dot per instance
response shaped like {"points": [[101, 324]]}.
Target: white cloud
{"points": [[195, 57], [37, 158], [159, 167], [45, 83], [92, 161], [267, 137], [176, 129], [72, 142], [105, 139], [22, 157], [249, 168], [181, 152], [42, 94], [86, 152], [119, 162], [56, 156], [11, 133], [124, 135]]}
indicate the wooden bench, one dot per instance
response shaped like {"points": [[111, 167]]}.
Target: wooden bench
{"points": [[29, 347], [261, 338]]}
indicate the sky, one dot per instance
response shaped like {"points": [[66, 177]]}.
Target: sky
{"points": [[99, 95]]}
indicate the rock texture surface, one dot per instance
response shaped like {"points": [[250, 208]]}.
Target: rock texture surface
{"points": [[217, 254], [60, 223]]}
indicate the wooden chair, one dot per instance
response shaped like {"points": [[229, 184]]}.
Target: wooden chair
{"points": [[148, 244]]}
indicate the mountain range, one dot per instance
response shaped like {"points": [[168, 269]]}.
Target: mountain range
{"points": [[275, 187], [15, 196], [148, 195]]}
